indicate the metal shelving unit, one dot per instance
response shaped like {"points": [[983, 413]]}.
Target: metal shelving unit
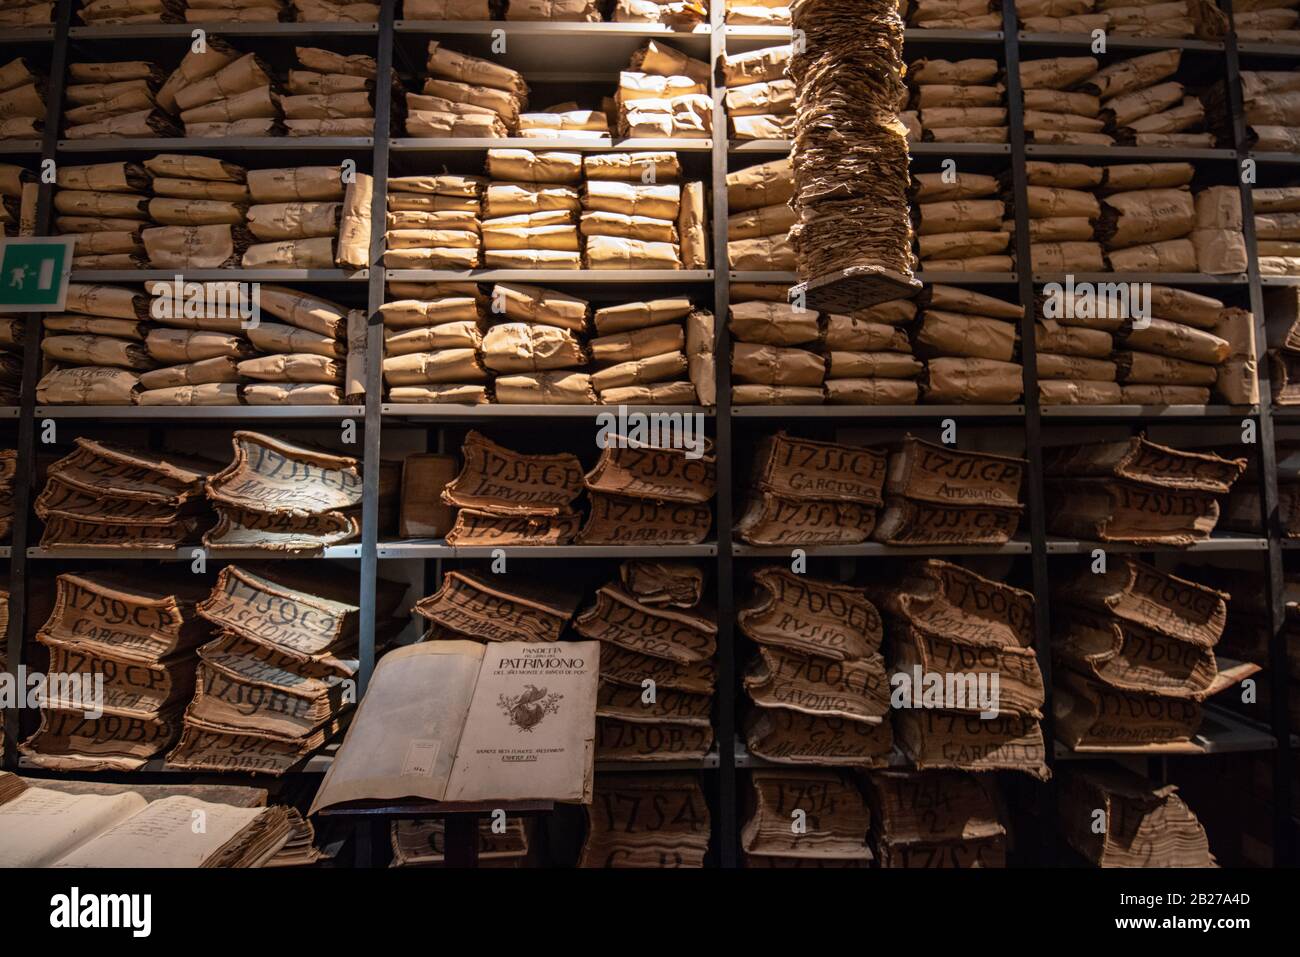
{"points": [[591, 48]]}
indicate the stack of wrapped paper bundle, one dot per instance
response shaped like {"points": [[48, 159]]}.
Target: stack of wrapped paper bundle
{"points": [[760, 99], [1242, 512], [960, 223], [784, 355], [529, 217], [115, 99], [22, 101], [936, 819], [925, 505], [961, 101], [236, 11], [1056, 110], [1136, 491], [465, 96], [805, 818], [1282, 312], [119, 498], [646, 820], [1063, 214], [658, 352], [433, 222], [969, 342], [334, 11], [953, 14], [1161, 18], [1266, 21], [105, 207], [663, 94], [144, 656], [423, 843], [761, 13], [241, 98], [8, 469], [565, 121], [272, 687], [1134, 648], [644, 493], [805, 492], [484, 608], [1144, 825], [760, 217], [561, 11], [105, 13], [19, 13], [1142, 106], [96, 348], [432, 338], [653, 614], [282, 497], [946, 621], [18, 194], [1277, 230], [671, 13], [818, 682], [13, 332], [331, 95], [503, 497], [633, 219], [1271, 99]]}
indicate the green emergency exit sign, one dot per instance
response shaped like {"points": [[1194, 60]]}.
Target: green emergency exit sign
{"points": [[34, 273]]}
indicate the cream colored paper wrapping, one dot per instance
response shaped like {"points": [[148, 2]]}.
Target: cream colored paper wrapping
{"points": [[291, 254], [355, 227], [608, 252]]}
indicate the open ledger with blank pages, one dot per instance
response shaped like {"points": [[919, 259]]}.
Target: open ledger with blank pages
{"points": [[462, 721]]}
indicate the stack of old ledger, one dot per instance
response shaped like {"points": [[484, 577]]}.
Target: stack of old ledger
{"points": [[1277, 230], [646, 820], [423, 843], [961, 224], [760, 99], [1145, 826], [954, 14], [1270, 99], [936, 819], [942, 622], [969, 342], [21, 14], [465, 96], [209, 214], [926, 505], [117, 346], [272, 687], [760, 13], [22, 101], [1135, 653], [805, 818], [672, 13], [1186, 347], [806, 492], [653, 623], [1136, 491], [817, 681], [504, 497], [663, 94], [1143, 18], [957, 101], [433, 222], [643, 493], [143, 652], [115, 99], [107, 496], [850, 148], [1266, 21], [759, 217], [283, 498]]}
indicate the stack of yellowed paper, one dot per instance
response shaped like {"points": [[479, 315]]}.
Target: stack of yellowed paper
{"points": [[652, 489], [1277, 230], [806, 818], [936, 819], [656, 614], [1267, 21], [331, 94], [646, 820]]}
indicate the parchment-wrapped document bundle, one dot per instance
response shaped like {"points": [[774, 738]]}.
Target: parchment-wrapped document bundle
{"points": [[24, 14], [936, 819], [1277, 230], [760, 217], [760, 97], [653, 624], [8, 469], [646, 820], [1136, 491], [969, 342], [646, 494], [1269, 99], [129, 648], [22, 101], [835, 820], [759, 13], [950, 15], [1263, 21], [1134, 648], [956, 101], [962, 226], [817, 683], [974, 694], [464, 721], [1141, 18]]}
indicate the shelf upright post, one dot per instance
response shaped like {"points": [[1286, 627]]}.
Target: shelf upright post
{"points": [[1045, 810], [725, 695], [26, 445], [1266, 459]]}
